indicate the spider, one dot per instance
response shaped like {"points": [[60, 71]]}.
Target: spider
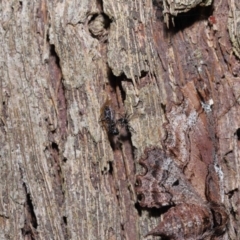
{"points": [[124, 122], [108, 120]]}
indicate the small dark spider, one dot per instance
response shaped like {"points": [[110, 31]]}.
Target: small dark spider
{"points": [[124, 123], [108, 114], [108, 120], [112, 129]]}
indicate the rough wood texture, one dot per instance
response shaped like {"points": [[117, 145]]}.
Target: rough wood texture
{"points": [[63, 175], [190, 216], [233, 26]]}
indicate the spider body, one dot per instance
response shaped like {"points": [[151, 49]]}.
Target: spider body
{"points": [[124, 123], [108, 120], [112, 129]]}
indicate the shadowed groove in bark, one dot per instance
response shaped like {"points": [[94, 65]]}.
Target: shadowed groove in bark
{"points": [[231, 193], [139, 208], [54, 151], [238, 134], [30, 222], [54, 54], [57, 84], [117, 97], [123, 167], [57, 134], [100, 4], [64, 227], [110, 168], [120, 97], [186, 19], [54, 160], [116, 83]]}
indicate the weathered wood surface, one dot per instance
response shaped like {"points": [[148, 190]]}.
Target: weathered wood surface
{"points": [[62, 176]]}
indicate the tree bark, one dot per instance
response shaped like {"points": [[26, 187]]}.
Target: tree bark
{"points": [[93, 89]]}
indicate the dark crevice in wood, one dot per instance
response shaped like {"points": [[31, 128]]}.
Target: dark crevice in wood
{"points": [[123, 94], [30, 222], [224, 57], [54, 54], [138, 208], [64, 227], [163, 106], [153, 212], [58, 179], [157, 212], [104, 171], [101, 9], [229, 152], [93, 17], [100, 5], [110, 168], [115, 81], [118, 198], [55, 147], [238, 134], [121, 120], [231, 193], [165, 238], [114, 142], [52, 153], [234, 214], [186, 19], [55, 151], [4, 113], [107, 20], [56, 81], [143, 74], [65, 220], [176, 183], [122, 146], [31, 211]]}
